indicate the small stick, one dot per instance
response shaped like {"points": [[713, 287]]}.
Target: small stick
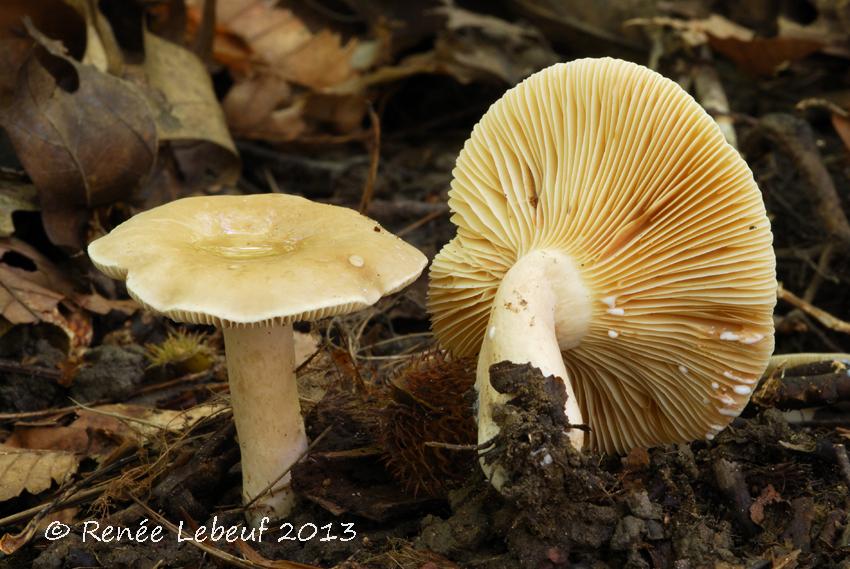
{"points": [[712, 97], [374, 158], [730, 481], [11, 366], [794, 137], [451, 446], [420, 222], [80, 496], [818, 314], [214, 551]]}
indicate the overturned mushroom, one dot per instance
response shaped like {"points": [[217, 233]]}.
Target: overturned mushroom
{"points": [[609, 235], [252, 265]]}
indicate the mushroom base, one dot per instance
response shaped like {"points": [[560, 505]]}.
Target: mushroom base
{"points": [[264, 395], [541, 309]]}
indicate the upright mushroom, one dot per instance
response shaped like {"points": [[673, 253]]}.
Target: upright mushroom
{"points": [[252, 265], [609, 235]]}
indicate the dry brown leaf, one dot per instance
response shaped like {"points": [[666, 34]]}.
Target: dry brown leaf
{"points": [[24, 302], [188, 113], [787, 561], [53, 17], [14, 196], [289, 49], [85, 138], [46, 273], [756, 55], [33, 471], [768, 496], [482, 47], [284, 70], [100, 305], [148, 422], [842, 127], [97, 431], [763, 56]]}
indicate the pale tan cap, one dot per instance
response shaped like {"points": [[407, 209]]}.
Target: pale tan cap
{"points": [[618, 167], [255, 260]]}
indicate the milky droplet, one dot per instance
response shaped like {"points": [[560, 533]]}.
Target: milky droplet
{"points": [[613, 334], [356, 260], [616, 311]]}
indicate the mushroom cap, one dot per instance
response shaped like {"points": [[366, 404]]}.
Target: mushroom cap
{"points": [[618, 167], [255, 260]]}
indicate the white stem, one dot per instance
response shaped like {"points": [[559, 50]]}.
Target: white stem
{"points": [[541, 309], [264, 395]]}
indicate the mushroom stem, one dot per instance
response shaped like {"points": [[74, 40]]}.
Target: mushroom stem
{"points": [[541, 309], [264, 395]]}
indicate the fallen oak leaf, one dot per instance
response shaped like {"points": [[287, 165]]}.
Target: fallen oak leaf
{"points": [[33, 471], [84, 137]]}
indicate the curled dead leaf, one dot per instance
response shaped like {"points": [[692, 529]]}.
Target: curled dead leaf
{"points": [[55, 18], [86, 138]]}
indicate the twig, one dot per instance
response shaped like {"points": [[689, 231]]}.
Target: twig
{"points": [[188, 378], [203, 45], [794, 137], [712, 97], [730, 481], [818, 314], [119, 416], [216, 552], [80, 496], [11, 366], [420, 222], [374, 158], [451, 446], [790, 392]]}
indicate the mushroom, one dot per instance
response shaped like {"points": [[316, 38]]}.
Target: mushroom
{"points": [[608, 235], [252, 265]]}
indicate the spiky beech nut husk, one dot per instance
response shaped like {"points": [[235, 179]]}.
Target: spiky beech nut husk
{"points": [[430, 400]]}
